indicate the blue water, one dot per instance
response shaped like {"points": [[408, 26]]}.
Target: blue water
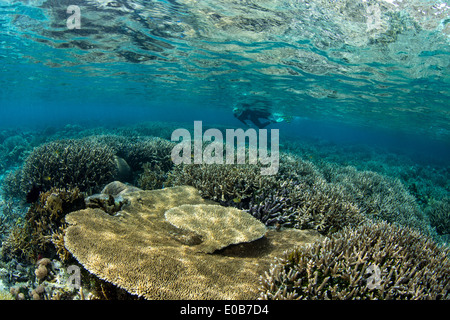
{"points": [[364, 74], [388, 86]]}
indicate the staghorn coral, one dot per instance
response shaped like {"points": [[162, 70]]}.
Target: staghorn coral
{"points": [[295, 168], [439, 214], [153, 150], [66, 164], [33, 234], [297, 197], [303, 206], [377, 196], [139, 155], [58, 242], [12, 184], [9, 214], [153, 177], [373, 261], [14, 149], [380, 197], [225, 183], [302, 198], [217, 226], [139, 251], [321, 195]]}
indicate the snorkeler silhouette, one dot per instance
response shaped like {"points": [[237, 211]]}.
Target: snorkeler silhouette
{"points": [[245, 112]]}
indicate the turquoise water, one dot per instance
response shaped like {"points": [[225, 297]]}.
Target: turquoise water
{"points": [[362, 83], [327, 61]]}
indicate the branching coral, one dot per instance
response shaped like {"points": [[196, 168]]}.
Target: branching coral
{"points": [[58, 242], [141, 154], [9, 214], [225, 183], [295, 168], [34, 234], [439, 214], [12, 185], [155, 151], [14, 149], [297, 197], [299, 205], [379, 197], [153, 177], [67, 164], [373, 261]]}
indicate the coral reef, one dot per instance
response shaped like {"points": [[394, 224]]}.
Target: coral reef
{"points": [[82, 163], [111, 198], [58, 242], [142, 155], [139, 251], [217, 226], [342, 192], [153, 177], [153, 150], [9, 214], [14, 147], [295, 168], [372, 261], [439, 214], [32, 235], [321, 207], [297, 197], [12, 185], [227, 184], [50, 281], [375, 195], [13, 271], [4, 295]]}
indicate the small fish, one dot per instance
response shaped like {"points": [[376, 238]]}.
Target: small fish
{"points": [[237, 200], [47, 178]]}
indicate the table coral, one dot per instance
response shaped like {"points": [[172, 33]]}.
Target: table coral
{"points": [[218, 226], [139, 251]]}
